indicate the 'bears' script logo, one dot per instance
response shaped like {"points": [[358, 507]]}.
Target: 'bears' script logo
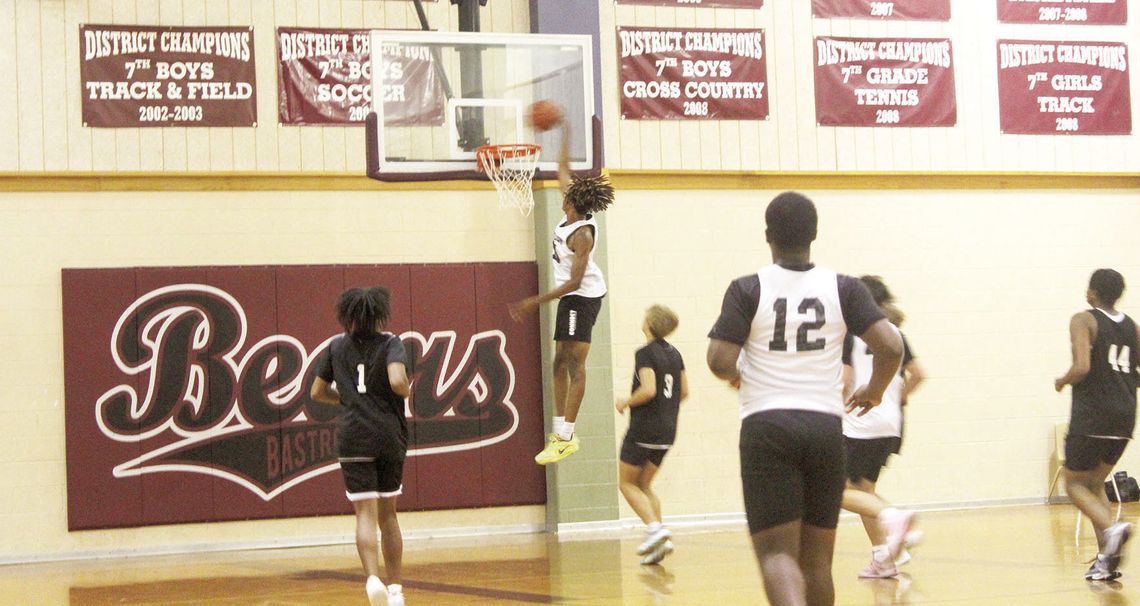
{"points": [[199, 401]]}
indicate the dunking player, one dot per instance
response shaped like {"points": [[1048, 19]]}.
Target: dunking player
{"points": [[872, 438], [1103, 376], [370, 371], [579, 288], [659, 385], [779, 339]]}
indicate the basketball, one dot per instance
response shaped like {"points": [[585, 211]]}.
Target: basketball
{"points": [[544, 115]]}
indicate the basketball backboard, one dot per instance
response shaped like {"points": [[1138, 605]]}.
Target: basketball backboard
{"points": [[441, 95]]}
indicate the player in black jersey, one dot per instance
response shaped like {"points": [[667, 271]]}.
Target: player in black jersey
{"points": [[369, 369], [659, 385], [1103, 375], [779, 340]]}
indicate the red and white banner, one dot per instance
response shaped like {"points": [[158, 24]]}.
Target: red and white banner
{"points": [[187, 390], [704, 3], [884, 82], [1072, 12], [692, 74], [137, 75], [913, 10], [324, 76], [1076, 88]]}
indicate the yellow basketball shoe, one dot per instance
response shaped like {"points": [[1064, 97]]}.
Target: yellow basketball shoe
{"points": [[557, 449]]}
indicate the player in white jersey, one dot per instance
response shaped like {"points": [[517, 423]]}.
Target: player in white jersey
{"points": [[872, 438], [579, 288], [779, 340]]}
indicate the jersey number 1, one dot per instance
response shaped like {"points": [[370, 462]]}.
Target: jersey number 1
{"points": [[1121, 363], [778, 343], [360, 386]]}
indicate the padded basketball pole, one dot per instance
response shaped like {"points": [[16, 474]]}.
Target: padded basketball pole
{"points": [[471, 134]]}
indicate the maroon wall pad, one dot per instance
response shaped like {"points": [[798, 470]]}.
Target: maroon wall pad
{"points": [[188, 394], [249, 459], [187, 390], [306, 296], [446, 416], [93, 301], [509, 473]]}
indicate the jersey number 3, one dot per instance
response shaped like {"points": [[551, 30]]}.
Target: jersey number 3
{"points": [[811, 304]]}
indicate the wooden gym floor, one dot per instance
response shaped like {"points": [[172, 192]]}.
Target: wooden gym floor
{"points": [[1001, 556]]}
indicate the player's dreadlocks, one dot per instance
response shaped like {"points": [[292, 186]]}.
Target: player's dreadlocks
{"points": [[590, 195], [360, 310]]}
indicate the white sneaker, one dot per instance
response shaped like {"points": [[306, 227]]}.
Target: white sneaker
{"points": [[1115, 537], [653, 539], [376, 591], [658, 554], [1100, 570], [395, 595]]}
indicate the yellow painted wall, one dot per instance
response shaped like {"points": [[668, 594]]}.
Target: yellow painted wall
{"points": [[988, 280]]}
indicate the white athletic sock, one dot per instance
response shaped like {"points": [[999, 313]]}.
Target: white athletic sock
{"points": [[888, 514], [395, 589], [567, 430], [881, 554], [654, 527], [556, 426]]}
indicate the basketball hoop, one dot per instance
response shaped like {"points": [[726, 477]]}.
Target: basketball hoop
{"points": [[511, 168]]}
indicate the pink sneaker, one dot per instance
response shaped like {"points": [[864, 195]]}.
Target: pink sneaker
{"points": [[879, 570], [897, 523]]}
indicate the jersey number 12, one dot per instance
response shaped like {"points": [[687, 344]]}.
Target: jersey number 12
{"points": [[779, 343]]}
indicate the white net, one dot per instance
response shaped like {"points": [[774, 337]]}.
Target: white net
{"points": [[511, 168]]}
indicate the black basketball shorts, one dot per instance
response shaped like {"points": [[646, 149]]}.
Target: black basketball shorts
{"points": [[372, 478], [792, 468], [576, 317], [637, 455], [866, 457], [1084, 453]]}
